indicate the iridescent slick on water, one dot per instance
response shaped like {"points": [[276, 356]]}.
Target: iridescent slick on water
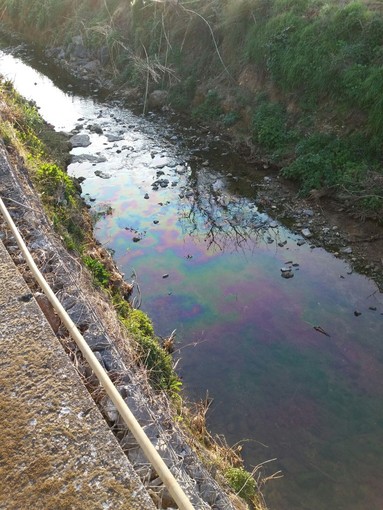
{"points": [[292, 370]]}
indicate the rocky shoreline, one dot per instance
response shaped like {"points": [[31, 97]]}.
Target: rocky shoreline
{"points": [[325, 223], [323, 219], [334, 223]]}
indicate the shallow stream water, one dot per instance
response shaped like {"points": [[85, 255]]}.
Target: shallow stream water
{"points": [[208, 263]]}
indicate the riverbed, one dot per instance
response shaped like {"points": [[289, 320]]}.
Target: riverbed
{"points": [[285, 337]]}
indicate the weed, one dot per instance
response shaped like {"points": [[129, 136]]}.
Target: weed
{"points": [[56, 184], [231, 118], [181, 95], [270, 128], [158, 362], [139, 324], [242, 482], [327, 160], [100, 274], [210, 109]]}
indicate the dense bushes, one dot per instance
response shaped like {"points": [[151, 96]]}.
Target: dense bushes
{"points": [[270, 128], [322, 52]]}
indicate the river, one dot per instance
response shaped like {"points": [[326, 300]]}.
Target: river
{"points": [[208, 263]]}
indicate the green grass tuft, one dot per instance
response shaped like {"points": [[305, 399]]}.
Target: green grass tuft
{"points": [[242, 482]]}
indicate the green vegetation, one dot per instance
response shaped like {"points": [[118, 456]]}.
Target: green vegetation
{"points": [[100, 274], [57, 183], [242, 482], [150, 353], [270, 129], [25, 133], [323, 52], [210, 108], [182, 94]]}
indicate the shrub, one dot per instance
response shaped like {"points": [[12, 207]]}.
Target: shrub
{"points": [[231, 118], [242, 482], [158, 362], [182, 94], [320, 53], [211, 107], [327, 160], [100, 274], [56, 183], [270, 129]]}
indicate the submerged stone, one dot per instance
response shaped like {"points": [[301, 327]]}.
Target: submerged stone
{"points": [[101, 174], [286, 272]]}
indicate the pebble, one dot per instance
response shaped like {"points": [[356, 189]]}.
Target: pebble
{"points": [[306, 232], [165, 275], [101, 174], [25, 298], [146, 196]]}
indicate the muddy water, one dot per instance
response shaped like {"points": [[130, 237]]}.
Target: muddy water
{"points": [[208, 263]]}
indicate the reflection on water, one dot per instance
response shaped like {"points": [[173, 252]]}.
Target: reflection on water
{"points": [[245, 334]]}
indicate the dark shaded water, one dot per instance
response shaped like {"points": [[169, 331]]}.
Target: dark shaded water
{"points": [[245, 335]]}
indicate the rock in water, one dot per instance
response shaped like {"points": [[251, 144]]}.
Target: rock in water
{"points": [[80, 140]]}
